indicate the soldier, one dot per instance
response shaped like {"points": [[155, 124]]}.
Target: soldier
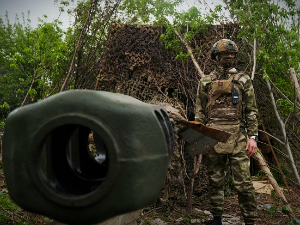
{"points": [[226, 101]]}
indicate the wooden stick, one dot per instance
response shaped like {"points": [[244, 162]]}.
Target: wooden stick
{"points": [[189, 49], [197, 163], [263, 165], [275, 157]]}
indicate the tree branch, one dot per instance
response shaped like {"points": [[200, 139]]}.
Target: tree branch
{"points": [[295, 81], [254, 59], [285, 139], [71, 69], [264, 166], [189, 49]]}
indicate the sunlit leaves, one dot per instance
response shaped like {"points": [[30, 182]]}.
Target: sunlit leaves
{"points": [[145, 11], [189, 23], [32, 93], [4, 110], [182, 56]]}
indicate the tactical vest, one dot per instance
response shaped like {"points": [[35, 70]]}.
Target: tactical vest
{"points": [[225, 109]]}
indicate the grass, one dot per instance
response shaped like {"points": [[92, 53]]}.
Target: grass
{"points": [[11, 213]]}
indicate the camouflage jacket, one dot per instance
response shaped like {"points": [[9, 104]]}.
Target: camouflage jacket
{"points": [[244, 83]]}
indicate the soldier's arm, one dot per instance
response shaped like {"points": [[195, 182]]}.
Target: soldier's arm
{"points": [[201, 99], [251, 111]]}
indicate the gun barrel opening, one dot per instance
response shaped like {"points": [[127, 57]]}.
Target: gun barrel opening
{"points": [[74, 160]]}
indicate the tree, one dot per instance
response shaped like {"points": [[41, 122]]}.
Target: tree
{"points": [[32, 61], [87, 41], [273, 26], [145, 11]]}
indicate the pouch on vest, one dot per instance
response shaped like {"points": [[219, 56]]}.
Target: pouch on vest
{"points": [[228, 147], [221, 86]]}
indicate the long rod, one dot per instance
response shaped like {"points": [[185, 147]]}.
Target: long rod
{"points": [[275, 157]]}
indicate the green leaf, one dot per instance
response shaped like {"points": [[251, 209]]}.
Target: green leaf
{"points": [[285, 210]]}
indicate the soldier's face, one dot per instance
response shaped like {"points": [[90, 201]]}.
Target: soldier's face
{"points": [[227, 59]]}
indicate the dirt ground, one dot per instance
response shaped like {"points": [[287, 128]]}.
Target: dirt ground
{"points": [[270, 211]]}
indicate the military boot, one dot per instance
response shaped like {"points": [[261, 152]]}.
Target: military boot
{"points": [[216, 221]]}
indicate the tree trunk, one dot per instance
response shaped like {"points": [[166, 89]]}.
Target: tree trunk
{"points": [[295, 81], [285, 139]]}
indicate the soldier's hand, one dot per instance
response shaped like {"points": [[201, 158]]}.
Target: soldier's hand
{"points": [[251, 147]]}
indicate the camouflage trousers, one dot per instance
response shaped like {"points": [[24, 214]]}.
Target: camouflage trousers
{"points": [[240, 167]]}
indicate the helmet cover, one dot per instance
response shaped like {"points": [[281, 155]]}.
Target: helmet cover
{"points": [[223, 45]]}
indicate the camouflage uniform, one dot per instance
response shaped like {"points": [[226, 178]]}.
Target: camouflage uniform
{"points": [[239, 119]]}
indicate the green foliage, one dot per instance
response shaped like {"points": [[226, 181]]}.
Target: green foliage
{"points": [[285, 106], [7, 204], [187, 219], [4, 110], [145, 11], [285, 210], [182, 56], [10, 210], [274, 196], [166, 219], [47, 219], [293, 222], [146, 222], [278, 176], [4, 106], [188, 23], [276, 28], [273, 211], [32, 93], [260, 174], [31, 60], [170, 39]]}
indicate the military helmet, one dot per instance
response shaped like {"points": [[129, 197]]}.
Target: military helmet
{"points": [[223, 45]]}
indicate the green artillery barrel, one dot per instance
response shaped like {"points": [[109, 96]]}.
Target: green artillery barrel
{"points": [[81, 157]]}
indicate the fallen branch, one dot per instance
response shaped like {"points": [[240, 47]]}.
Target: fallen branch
{"points": [[197, 163], [263, 165]]}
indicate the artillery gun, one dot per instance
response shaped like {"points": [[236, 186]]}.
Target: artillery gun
{"points": [[51, 170], [81, 157]]}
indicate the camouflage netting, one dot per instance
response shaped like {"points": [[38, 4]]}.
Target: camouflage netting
{"points": [[136, 63]]}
